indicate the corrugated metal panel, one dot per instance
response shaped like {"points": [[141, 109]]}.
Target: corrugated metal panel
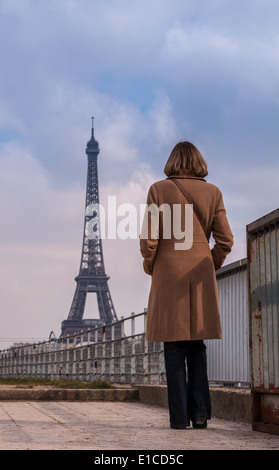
{"points": [[228, 359], [263, 274]]}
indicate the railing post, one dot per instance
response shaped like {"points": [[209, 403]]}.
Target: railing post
{"points": [[74, 371], [38, 359], [103, 359], [8, 363], [67, 357], [87, 365], [146, 378], [22, 362], [29, 371], [53, 363], [161, 367], [122, 352], [112, 354], [15, 361], [2, 356], [133, 352], [45, 361], [49, 355], [95, 361], [81, 357]]}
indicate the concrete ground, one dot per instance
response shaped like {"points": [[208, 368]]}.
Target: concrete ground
{"points": [[104, 425]]}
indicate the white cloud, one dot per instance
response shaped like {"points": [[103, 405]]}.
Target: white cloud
{"points": [[163, 128], [249, 194], [181, 43], [27, 198], [38, 245]]}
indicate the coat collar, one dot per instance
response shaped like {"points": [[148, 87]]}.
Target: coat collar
{"points": [[186, 174]]}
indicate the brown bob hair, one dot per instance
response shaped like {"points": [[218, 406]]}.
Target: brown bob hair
{"points": [[185, 156]]}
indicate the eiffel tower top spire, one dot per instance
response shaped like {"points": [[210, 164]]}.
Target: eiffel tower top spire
{"points": [[92, 145]]}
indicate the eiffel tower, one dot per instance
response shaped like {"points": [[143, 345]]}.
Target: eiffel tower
{"points": [[92, 277]]}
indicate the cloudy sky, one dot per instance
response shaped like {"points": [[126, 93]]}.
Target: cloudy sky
{"points": [[152, 72]]}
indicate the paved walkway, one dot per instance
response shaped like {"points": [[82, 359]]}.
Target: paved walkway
{"points": [[117, 426]]}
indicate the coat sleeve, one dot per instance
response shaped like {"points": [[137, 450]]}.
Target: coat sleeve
{"points": [[221, 233], [150, 232]]}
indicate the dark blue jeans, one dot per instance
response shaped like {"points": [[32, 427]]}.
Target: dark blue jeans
{"points": [[188, 393]]}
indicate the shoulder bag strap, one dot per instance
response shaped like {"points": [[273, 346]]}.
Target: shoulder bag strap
{"points": [[191, 201]]}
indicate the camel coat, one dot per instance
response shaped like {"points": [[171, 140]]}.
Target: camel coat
{"points": [[183, 299]]}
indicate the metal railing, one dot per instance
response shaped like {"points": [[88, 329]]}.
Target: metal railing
{"points": [[127, 359]]}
